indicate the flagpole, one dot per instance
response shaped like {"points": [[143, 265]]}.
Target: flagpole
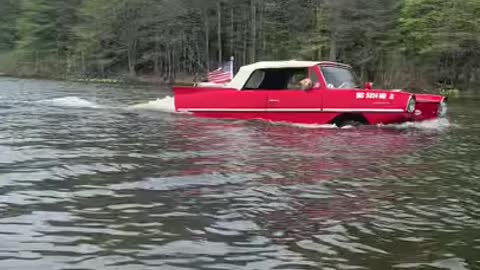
{"points": [[232, 58]]}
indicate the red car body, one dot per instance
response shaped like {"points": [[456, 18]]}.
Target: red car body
{"points": [[261, 91]]}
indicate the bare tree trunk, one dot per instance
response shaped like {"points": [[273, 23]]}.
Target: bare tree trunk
{"points": [[219, 32], [197, 55], [36, 64], [174, 66], [245, 42], [169, 63], [253, 48], [184, 63], [261, 33], [318, 51], [156, 57], [186, 59], [207, 42], [333, 48], [232, 31], [132, 51], [84, 68], [164, 67], [101, 66]]}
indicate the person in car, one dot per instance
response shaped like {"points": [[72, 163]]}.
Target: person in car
{"points": [[306, 84], [298, 81]]}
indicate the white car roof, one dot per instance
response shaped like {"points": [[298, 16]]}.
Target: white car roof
{"points": [[245, 72], [281, 64]]}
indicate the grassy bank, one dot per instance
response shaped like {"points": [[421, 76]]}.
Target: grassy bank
{"points": [[54, 70]]}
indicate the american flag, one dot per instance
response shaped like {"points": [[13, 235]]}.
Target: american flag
{"points": [[222, 74]]}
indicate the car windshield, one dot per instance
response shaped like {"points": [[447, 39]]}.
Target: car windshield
{"points": [[340, 78]]}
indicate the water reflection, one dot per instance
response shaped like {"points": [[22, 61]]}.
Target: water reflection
{"points": [[284, 150], [89, 187]]}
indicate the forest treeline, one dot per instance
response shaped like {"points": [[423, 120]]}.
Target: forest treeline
{"points": [[395, 43]]}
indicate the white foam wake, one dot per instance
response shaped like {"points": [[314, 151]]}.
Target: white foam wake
{"points": [[436, 124], [166, 104], [306, 126], [70, 102]]}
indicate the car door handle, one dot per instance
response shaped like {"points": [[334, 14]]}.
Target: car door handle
{"points": [[273, 101]]}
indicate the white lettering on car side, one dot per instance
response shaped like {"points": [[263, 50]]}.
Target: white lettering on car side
{"points": [[361, 95], [373, 95]]}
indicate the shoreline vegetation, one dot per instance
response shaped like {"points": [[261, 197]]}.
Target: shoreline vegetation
{"points": [[146, 79], [186, 81], [397, 44]]}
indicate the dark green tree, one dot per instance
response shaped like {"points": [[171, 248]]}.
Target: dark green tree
{"points": [[395, 43], [9, 10]]}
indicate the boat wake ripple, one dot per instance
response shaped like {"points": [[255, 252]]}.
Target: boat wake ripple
{"points": [[429, 125], [70, 102], [434, 125]]}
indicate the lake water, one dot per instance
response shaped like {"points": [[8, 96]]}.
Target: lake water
{"points": [[106, 177]]}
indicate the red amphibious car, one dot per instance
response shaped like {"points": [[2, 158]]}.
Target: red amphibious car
{"points": [[276, 91]]}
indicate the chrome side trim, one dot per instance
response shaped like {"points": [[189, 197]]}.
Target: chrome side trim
{"points": [[366, 110]]}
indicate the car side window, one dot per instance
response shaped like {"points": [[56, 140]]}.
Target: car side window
{"points": [[296, 77], [277, 79], [255, 80], [339, 78]]}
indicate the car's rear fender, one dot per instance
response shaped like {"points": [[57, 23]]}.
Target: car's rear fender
{"points": [[428, 98], [430, 106]]}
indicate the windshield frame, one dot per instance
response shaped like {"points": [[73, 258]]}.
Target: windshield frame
{"points": [[354, 84]]}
